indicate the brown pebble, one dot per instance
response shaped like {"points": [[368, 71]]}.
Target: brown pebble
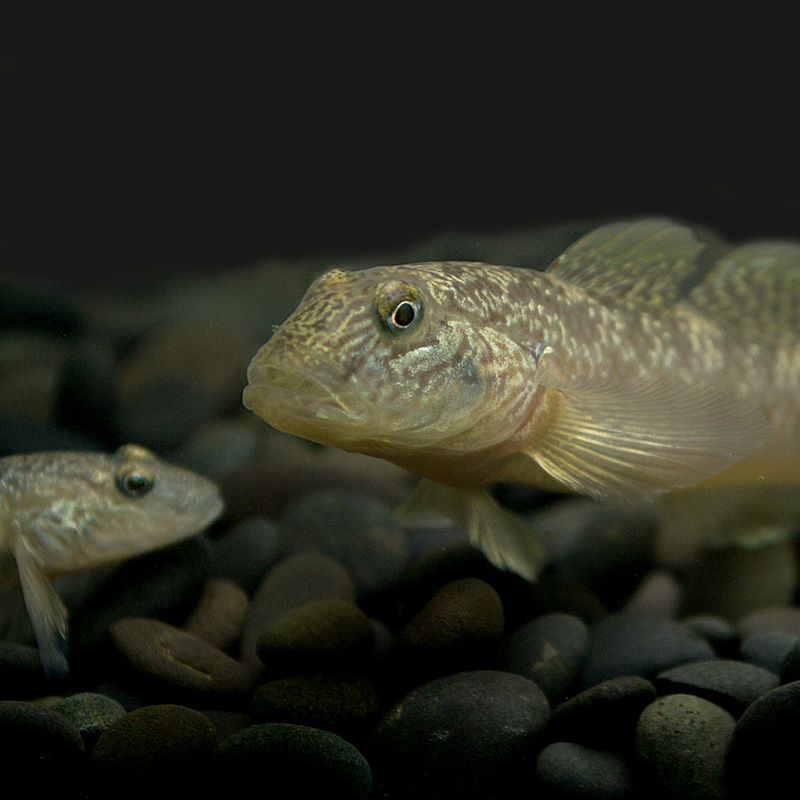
{"points": [[785, 619], [219, 613], [294, 581], [458, 629], [178, 658], [337, 703], [153, 745], [322, 636]]}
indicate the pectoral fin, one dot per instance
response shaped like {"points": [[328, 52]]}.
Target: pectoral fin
{"points": [[632, 439], [506, 539], [47, 613]]}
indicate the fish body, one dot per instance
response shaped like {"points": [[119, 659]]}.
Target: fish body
{"points": [[646, 359], [62, 512]]}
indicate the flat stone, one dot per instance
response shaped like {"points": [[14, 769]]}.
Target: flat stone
{"points": [[175, 657], [605, 715]]}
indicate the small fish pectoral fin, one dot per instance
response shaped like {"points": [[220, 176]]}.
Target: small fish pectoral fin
{"points": [[632, 442], [47, 613], [505, 538]]}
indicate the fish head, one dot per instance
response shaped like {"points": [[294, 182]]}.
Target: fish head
{"points": [[393, 359], [103, 508]]}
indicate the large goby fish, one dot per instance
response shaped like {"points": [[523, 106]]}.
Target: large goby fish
{"points": [[66, 511], [646, 358]]}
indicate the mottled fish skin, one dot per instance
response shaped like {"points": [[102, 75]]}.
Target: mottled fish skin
{"points": [[645, 359], [62, 512]]}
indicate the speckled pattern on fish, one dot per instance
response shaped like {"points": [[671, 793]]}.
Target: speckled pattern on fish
{"points": [[647, 358]]}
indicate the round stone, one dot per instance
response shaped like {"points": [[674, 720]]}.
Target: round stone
{"points": [[636, 644], [356, 529], [299, 760], [768, 649], [732, 685], [90, 713], [294, 581], [42, 745], [458, 629], [321, 636], [682, 741], [170, 744], [463, 735], [245, 552], [550, 650], [573, 770], [766, 740]]}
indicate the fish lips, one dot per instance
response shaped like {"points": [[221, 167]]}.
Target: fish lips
{"points": [[286, 395]]}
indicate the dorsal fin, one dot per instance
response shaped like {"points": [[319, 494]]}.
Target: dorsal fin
{"points": [[753, 292], [653, 262]]}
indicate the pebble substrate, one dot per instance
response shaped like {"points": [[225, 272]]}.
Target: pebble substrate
{"points": [[308, 644]]}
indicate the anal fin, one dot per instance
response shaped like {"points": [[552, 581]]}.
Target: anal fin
{"points": [[506, 539]]}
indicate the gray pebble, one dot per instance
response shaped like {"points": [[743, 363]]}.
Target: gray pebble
{"points": [[776, 618], [356, 529], [682, 741], [41, 745], [768, 649], [299, 760], [574, 770], [718, 632], [219, 614], [460, 736], [762, 756], [605, 715], [245, 552], [90, 713], [550, 650], [635, 644], [762, 577], [732, 685]]}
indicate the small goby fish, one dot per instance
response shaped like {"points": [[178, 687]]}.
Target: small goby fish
{"points": [[62, 512], [647, 358]]}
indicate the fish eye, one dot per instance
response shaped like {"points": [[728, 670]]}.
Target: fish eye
{"points": [[398, 307], [133, 481]]}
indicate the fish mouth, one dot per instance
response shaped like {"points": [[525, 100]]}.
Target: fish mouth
{"points": [[281, 394]]}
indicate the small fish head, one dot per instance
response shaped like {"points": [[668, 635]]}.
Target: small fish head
{"points": [[146, 503], [385, 360]]}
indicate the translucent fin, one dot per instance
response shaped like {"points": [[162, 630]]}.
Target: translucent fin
{"points": [[653, 262], [506, 539], [46, 611], [754, 292], [631, 441]]}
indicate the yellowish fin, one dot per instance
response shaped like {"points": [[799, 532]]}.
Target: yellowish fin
{"points": [[506, 539]]}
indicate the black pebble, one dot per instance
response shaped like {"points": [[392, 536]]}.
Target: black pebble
{"points": [[762, 755], [463, 735], [570, 770]]}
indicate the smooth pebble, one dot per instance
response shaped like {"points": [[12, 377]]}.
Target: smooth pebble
{"points": [[570, 770]]}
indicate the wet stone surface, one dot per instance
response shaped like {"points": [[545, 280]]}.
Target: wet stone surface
{"points": [[308, 642]]}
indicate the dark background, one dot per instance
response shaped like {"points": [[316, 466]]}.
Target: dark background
{"points": [[132, 160]]}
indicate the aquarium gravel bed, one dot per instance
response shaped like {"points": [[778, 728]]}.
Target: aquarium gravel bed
{"points": [[307, 643]]}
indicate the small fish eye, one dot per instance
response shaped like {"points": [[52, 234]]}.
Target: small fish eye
{"points": [[398, 307], [404, 314], [133, 481]]}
